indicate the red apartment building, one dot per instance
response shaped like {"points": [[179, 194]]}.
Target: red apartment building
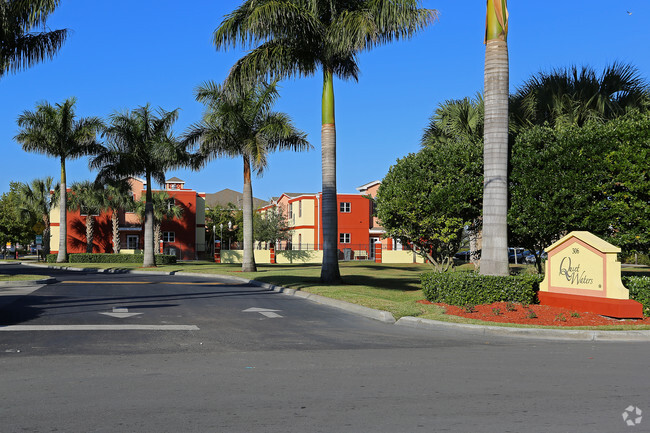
{"points": [[183, 237], [358, 230]]}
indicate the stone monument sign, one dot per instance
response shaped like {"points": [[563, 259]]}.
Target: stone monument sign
{"points": [[583, 273]]}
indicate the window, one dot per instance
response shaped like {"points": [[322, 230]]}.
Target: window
{"points": [[169, 237], [290, 210], [344, 238], [300, 209], [299, 241], [132, 242], [345, 207], [171, 203]]}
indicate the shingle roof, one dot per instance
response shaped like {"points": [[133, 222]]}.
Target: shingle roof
{"points": [[226, 196]]}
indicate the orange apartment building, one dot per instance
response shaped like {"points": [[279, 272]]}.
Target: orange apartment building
{"points": [[183, 237], [358, 230]]}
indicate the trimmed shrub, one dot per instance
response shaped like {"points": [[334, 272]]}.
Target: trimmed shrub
{"points": [[639, 288], [470, 288], [112, 258]]}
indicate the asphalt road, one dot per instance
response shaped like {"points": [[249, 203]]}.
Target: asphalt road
{"points": [[123, 352]]}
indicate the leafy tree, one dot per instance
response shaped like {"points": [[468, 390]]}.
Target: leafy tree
{"points": [[164, 208], [242, 124], [20, 46], [494, 252], [218, 217], [427, 198], [295, 38], [272, 226], [15, 226], [141, 143], [590, 178], [37, 199], [118, 197], [90, 200], [574, 96], [54, 131]]}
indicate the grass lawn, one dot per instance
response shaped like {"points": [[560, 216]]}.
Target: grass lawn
{"points": [[389, 287], [20, 277]]}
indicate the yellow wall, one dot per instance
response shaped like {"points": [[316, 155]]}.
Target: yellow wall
{"points": [[307, 218], [307, 238], [55, 217], [295, 256], [392, 256]]}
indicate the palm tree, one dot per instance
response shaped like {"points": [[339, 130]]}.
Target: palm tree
{"points": [[21, 48], [118, 197], [242, 124], [141, 143], [90, 200], [298, 37], [38, 199], [573, 96], [54, 131], [164, 208], [455, 119], [494, 251]]}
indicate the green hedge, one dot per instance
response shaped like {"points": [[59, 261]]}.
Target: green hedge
{"points": [[470, 288], [639, 288], [112, 258]]}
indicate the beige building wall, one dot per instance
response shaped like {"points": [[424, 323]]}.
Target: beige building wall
{"points": [[55, 231]]}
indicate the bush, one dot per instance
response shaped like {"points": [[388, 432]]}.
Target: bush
{"points": [[112, 258], [639, 288], [469, 288]]}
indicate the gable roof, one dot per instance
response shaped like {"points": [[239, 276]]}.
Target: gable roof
{"points": [[226, 196]]}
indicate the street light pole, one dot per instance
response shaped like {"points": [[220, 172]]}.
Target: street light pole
{"points": [[229, 230], [214, 241], [221, 235]]}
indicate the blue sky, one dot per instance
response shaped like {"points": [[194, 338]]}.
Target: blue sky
{"points": [[123, 54]]}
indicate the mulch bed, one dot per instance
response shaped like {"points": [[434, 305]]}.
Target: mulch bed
{"points": [[541, 315]]}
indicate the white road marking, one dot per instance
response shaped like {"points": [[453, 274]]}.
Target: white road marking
{"points": [[99, 328], [263, 311], [121, 313]]}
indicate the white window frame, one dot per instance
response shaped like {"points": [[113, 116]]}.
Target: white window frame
{"points": [[169, 237], [290, 211], [345, 207], [344, 238]]}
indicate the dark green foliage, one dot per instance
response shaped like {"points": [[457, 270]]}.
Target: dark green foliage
{"points": [[639, 259], [463, 288], [591, 178], [428, 198], [113, 258], [639, 288]]}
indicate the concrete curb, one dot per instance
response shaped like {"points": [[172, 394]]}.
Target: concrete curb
{"points": [[537, 333], [411, 322]]}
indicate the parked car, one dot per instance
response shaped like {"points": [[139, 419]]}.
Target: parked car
{"points": [[462, 255], [516, 255]]}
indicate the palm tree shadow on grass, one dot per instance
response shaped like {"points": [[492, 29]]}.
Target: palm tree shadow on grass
{"points": [[297, 281]]}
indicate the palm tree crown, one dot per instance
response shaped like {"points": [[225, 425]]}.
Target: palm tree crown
{"points": [[573, 96], [20, 47], [89, 199], [54, 131], [38, 197], [242, 124]]}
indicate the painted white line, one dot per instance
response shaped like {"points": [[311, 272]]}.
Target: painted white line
{"points": [[267, 312], [99, 328], [270, 314]]}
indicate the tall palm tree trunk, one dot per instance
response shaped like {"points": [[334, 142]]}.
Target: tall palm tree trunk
{"points": [[46, 235], [248, 264], [149, 258], [62, 256], [494, 254], [116, 231], [330, 269], [90, 233]]}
